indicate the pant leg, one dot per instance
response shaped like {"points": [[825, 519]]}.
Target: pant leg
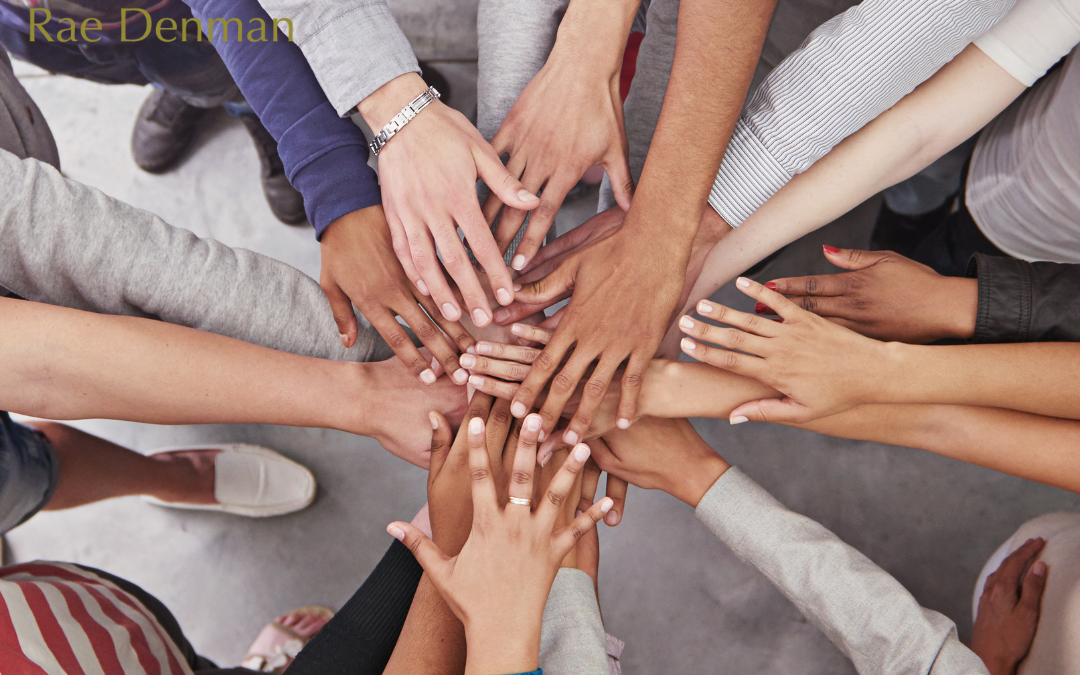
{"points": [[949, 247], [29, 472], [192, 70], [23, 129]]}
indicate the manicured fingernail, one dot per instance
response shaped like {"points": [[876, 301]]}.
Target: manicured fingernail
{"points": [[830, 249], [476, 426], [606, 503], [687, 323], [771, 285], [460, 376], [1039, 569], [483, 348], [612, 519], [517, 329], [688, 344], [704, 307], [467, 361], [503, 296], [518, 409], [427, 377], [526, 196], [517, 287], [344, 339], [532, 422], [502, 315], [480, 317], [476, 381], [450, 312], [581, 452], [738, 419], [434, 420], [422, 287], [518, 263], [623, 423], [396, 532], [760, 308], [742, 282]]}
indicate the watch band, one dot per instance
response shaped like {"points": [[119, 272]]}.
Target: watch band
{"points": [[429, 96]]}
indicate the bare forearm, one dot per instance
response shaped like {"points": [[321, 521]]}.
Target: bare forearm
{"points": [[432, 640]]}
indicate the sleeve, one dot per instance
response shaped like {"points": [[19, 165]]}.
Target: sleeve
{"points": [[1034, 36], [850, 70], [123, 260], [1025, 302], [572, 640], [361, 637], [353, 47], [863, 610], [325, 157]]}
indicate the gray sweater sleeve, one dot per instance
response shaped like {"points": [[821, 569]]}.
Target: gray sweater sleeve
{"points": [[863, 610], [69, 244], [572, 641]]}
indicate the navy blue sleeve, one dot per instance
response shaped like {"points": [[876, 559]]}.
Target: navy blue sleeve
{"points": [[325, 156]]}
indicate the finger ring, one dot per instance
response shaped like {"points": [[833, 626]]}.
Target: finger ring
{"points": [[520, 501]]}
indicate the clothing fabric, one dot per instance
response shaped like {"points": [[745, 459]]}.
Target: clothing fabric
{"points": [[948, 248], [863, 610], [1025, 302], [23, 129], [1022, 188], [1034, 36], [572, 639], [325, 157], [1055, 650], [29, 472], [353, 47]]}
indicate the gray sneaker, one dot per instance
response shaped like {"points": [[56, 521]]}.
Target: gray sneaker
{"points": [[163, 130], [284, 200]]}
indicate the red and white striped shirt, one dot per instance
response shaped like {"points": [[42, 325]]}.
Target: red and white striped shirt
{"points": [[59, 619]]}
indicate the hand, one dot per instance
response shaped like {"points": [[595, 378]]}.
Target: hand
{"points": [[498, 584], [820, 367], [658, 454], [551, 150], [359, 267], [428, 173], [887, 297], [1009, 610], [586, 555]]}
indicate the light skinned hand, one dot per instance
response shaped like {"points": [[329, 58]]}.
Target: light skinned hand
{"points": [[359, 268], [820, 367], [428, 173], [661, 454], [1009, 610], [885, 296], [498, 584]]}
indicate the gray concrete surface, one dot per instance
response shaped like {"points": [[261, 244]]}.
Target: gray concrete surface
{"points": [[679, 598]]}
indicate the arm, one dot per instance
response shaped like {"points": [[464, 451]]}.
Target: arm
{"points": [[1025, 302]]}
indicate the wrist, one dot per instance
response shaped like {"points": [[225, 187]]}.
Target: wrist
{"points": [[390, 99], [501, 646], [591, 37], [694, 484], [960, 302], [350, 391]]}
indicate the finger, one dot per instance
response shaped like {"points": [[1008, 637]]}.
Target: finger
{"points": [[591, 398], [542, 219], [569, 536], [512, 219], [532, 333], [829, 307], [552, 322], [456, 261], [432, 337], [816, 285], [622, 184], [590, 480], [560, 247], [784, 307], [522, 310], [777, 410], [505, 352], [854, 259], [521, 479], [501, 183], [751, 323], [510, 371], [492, 204], [486, 251], [728, 338], [1034, 585], [426, 260], [342, 309], [553, 444], [725, 359], [542, 369], [493, 387], [631, 388], [453, 329], [1016, 562], [441, 441], [400, 242], [430, 557], [561, 388], [485, 503], [558, 490], [616, 490], [544, 291], [398, 341], [498, 426]]}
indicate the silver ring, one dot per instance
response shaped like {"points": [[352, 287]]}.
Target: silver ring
{"points": [[520, 501]]}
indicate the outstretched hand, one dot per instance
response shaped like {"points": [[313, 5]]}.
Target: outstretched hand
{"points": [[1009, 610]]}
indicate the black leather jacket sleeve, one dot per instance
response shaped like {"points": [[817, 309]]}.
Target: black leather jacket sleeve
{"points": [[1026, 302]]}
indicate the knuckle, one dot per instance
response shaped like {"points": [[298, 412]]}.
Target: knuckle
{"points": [[813, 286], [632, 381], [518, 372], [501, 416], [521, 477], [425, 331], [809, 304], [595, 388], [728, 358], [545, 362], [578, 531], [735, 339], [479, 475], [562, 383], [555, 498], [396, 340]]}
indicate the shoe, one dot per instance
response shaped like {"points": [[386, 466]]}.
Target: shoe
{"points": [[902, 234], [284, 200], [163, 130], [251, 481]]}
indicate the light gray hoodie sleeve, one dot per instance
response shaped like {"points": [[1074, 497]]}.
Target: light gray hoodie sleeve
{"points": [[572, 641], [353, 47], [68, 244], [860, 607]]}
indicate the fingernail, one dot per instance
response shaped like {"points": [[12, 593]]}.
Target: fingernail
{"points": [[427, 377], [1039, 569], [467, 361], [687, 323], [502, 316], [738, 419], [771, 285], [570, 437], [480, 317], [434, 420], [623, 423], [517, 329], [526, 196], [605, 504], [503, 296], [396, 532], [422, 287], [476, 426], [542, 436], [517, 287], [581, 452], [450, 312], [518, 263], [830, 249], [460, 376], [742, 282], [612, 519], [688, 344], [704, 307], [434, 363], [476, 381], [578, 513], [483, 348], [344, 340], [470, 350], [760, 308], [532, 422], [543, 460], [518, 409]]}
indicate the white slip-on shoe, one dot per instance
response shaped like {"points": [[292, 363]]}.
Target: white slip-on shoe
{"points": [[251, 481]]}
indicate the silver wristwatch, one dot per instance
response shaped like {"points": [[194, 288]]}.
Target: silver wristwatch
{"points": [[429, 96]]}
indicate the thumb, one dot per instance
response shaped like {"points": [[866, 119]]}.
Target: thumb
{"points": [[433, 560], [853, 259], [342, 308], [778, 410], [545, 291], [501, 182], [622, 185], [441, 442], [1034, 584]]}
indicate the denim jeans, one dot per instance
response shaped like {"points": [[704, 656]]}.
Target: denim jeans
{"points": [[29, 472]]}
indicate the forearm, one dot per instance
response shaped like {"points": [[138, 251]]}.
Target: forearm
{"points": [[674, 389], [432, 640]]}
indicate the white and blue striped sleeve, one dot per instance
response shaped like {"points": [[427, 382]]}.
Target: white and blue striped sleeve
{"points": [[850, 70]]}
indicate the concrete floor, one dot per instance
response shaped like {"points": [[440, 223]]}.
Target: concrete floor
{"points": [[678, 597]]}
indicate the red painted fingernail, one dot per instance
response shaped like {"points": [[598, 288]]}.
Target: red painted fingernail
{"points": [[830, 249], [771, 285], [760, 308]]}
